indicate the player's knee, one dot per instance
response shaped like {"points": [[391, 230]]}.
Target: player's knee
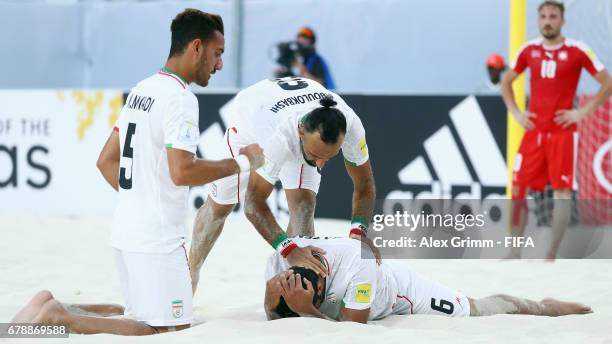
{"points": [[42, 297]]}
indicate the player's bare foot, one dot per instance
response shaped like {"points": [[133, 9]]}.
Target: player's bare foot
{"points": [[52, 313], [555, 308]]}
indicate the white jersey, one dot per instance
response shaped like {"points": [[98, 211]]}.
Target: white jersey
{"points": [[269, 113], [352, 282], [160, 112]]}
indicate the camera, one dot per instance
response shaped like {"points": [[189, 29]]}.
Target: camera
{"points": [[286, 52]]}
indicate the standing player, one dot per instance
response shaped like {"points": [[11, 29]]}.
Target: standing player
{"points": [[546, 154], [359, 290], [300, 125], [149, 159]]}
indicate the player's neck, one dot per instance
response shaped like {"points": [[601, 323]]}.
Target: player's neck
{"points": [[553, 42], [176, 67]]}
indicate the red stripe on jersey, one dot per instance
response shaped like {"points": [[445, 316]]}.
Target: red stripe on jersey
{"points": [[175, 78], [301, 172], [232, 153], [411, 303]]}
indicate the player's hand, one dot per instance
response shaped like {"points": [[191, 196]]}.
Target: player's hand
{"points": [[297, 298], [565, 118], [302, 256], [274, 288], [367, 241], [255, 154], [524, 119]]}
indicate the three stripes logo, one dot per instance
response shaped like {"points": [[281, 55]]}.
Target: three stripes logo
{"points": [[444, 165]]}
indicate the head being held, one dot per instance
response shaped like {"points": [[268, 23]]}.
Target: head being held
{"points": [[322, 133], [283, 309]]}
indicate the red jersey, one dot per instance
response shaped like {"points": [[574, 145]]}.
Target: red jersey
{"points": [[555, 72]]}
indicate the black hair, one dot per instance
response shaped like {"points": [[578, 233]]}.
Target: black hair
{"points": [[553, 3], [283, 309], [327, 120], [193, 24]]}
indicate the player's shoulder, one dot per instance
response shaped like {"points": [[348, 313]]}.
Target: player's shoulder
{"points": [[574, 43], [532, 43]]}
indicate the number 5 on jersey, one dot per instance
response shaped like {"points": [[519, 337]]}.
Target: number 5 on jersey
{"points": [[125, 180]]}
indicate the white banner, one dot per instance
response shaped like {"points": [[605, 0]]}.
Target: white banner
{"points": [[49, 143]]}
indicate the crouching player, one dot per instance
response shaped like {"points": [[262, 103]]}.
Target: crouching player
{"points": [[359, 290]]}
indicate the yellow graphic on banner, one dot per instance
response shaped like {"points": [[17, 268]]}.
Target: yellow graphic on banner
{"points": [[363, 292], [115, 105], [90, 105]]}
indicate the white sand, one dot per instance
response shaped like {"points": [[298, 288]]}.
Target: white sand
{"points": [[71, 257]]}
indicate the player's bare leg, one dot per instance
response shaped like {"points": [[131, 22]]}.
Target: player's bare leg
{"points": [[506, 304], [54, 313], [101, 310], [518, 217], [560, 219], [207, 227], [302, 203]]}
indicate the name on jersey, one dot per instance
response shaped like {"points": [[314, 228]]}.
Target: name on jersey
{"points": [[296, 100], [142, 103]]}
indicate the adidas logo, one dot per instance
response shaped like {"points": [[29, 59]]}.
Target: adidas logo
{"points": [[443, 166]]}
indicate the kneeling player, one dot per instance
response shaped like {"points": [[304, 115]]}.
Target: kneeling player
{"points": [[359, 290]]}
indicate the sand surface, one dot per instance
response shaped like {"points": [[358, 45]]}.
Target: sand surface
{"points": [[72, 258]]}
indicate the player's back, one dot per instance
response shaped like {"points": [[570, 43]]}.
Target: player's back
{"points": [[261, 108], [150, 213]]}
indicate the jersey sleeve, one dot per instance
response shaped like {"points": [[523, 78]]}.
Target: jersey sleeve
{"points": [[589, 60], [276, 152], [180, 123], [519, 64], [362, 285], [355, 148], [272, 268]]}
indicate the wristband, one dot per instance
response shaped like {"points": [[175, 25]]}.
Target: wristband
{"points": [[243, 163], [358, 226], [283, 245], [285, 252]]}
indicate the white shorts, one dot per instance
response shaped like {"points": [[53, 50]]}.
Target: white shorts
{"points": [[231, 190], [156, 287], [420, 295]]}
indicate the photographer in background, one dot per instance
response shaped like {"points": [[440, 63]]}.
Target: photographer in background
{"points": [[300, 58]]}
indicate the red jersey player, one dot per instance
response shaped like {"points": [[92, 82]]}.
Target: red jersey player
{"points": [[546, 153]]}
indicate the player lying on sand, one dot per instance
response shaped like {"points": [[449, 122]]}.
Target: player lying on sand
{"points": [[359, 290]]}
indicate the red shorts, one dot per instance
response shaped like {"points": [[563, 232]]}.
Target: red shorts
{"points": [[545, 157]]}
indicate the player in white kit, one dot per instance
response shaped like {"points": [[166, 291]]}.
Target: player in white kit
{"points": [[149, 159], [358, 289], [300, 125]]}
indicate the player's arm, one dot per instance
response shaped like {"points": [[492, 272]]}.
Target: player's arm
{"points": [[258, 212], [185, 169], [568, 117], [524, 118], [356, 315], [364, 191], [108, 161]]}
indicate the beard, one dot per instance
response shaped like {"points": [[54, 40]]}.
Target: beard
{"points": [[549, 33], [203, 73]]}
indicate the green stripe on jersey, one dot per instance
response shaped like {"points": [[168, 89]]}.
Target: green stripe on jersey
{"points": [[168, 145], [166, 70], [350, 163]]}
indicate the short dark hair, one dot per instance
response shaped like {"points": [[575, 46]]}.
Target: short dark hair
{"points": [[283, 309], [327, 120], [554, 3], [192, 24]]}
